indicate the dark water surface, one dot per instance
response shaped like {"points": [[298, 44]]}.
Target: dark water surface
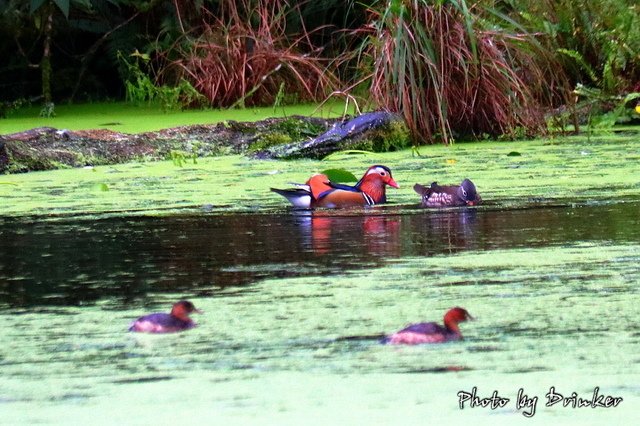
{"points": [[292, 304], [81, 261]]}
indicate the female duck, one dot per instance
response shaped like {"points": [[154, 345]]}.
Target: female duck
{"points": [[435, 195], [430, 332], [177, 320]]}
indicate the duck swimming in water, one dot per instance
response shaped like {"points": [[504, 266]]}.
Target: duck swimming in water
{"points": [[430, 332], [177, 320], [436, 195], [319, 191]]}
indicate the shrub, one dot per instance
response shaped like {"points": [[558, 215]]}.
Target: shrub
{"points": [[598, 42], [433, 63], [243, 56]]}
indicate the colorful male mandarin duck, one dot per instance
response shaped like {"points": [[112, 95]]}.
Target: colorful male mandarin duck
{"points": [[319, 191], [448, 196], [177, 320], [430, 332]]}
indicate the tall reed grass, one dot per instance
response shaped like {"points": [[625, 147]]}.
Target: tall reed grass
{"points": [[244, 56], [449, 72]]}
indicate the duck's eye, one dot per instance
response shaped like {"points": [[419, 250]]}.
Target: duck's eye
{"points": [[383, 174], [464, 193]]}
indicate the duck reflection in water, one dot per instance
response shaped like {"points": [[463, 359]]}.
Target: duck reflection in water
{"points": [[447, 231], [381, 234], [374, 234]]}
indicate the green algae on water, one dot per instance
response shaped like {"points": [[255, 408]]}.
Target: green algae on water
{"points": [[571, 170]]}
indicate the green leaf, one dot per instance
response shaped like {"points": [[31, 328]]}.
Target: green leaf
{"points": [[514, 154], [35, 5], [631, 97], [63, 5], [101, 187], [582, 63], [340, 175], [89, 25]]}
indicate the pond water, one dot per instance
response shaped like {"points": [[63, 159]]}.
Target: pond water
{"points": [[295, 302]]}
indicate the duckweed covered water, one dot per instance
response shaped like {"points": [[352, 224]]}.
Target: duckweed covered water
{"points": [[570, 170], [295, 304]]}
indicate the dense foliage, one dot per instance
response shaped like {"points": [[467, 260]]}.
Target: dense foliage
{"points": [[244, 55], [451, 67], [447, 71]]}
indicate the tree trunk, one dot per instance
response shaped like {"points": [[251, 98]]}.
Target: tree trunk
{"points": [[45, 64]]}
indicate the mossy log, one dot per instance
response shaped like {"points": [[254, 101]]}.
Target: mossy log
{"points": [[47, 148], [361, 132]]}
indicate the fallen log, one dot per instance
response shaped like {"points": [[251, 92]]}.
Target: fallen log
{"points": [[47, 148], [340, 136]]}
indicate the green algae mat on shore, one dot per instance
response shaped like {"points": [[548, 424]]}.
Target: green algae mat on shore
{"points": [[507, 174], [127, 118]]}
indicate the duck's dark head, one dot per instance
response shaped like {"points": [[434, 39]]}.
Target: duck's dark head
{"points": [[467, 192], [183, 308]]}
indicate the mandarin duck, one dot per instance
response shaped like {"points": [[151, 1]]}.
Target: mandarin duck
{"points": [[430, 332], [319, 191], [448, 196], [177, 320]]}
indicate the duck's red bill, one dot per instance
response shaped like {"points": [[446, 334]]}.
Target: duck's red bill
{"points": [[393, 183]]}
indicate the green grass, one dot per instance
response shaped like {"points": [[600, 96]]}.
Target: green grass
{"points": [[127, 118]]}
